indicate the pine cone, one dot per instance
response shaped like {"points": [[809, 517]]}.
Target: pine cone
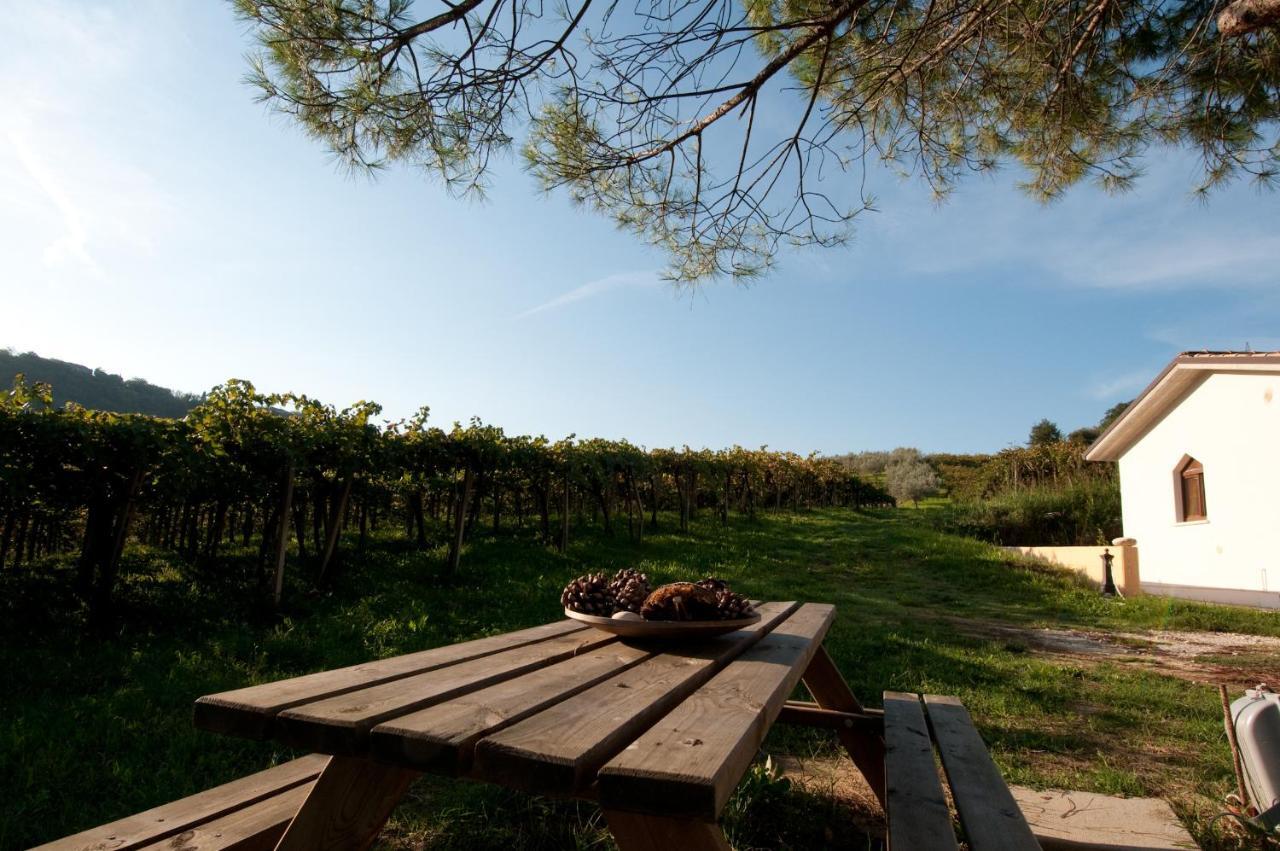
{"points": [[629, 589], [733, 606], [713, 584], [680, 601], [588, 595]]}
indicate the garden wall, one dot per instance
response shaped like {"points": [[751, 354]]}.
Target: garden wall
{"points": [[1088, 562]]}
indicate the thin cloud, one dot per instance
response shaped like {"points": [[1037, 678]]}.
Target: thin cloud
{"points": [[1177, 260], [73, 242], [1088, 240], [595, 288], [1126, 384]]}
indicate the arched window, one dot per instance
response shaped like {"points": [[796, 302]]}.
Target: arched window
{"points": [[1189, 481]]}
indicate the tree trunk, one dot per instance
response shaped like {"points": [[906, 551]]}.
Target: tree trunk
{"points": [[21, 543], [419, 521], [317, 518], [219, 529], [473, 516], [564, 517], [544, 510], [653, 503], [682, 496], [1245, 16], [108, 553], [282, 539], [603, 502], [5, 538], [639, 507], [336, 512], [300, 527], [460, 522]]}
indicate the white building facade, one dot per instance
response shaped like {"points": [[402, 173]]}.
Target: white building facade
{"points": [[1199, 458]]}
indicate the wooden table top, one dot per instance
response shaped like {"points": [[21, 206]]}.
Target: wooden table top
{"points": [[559, 709]]}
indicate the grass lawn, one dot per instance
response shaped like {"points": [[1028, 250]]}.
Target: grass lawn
{"points": [[93, 730]]}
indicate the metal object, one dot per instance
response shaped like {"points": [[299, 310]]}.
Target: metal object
{"points": [[1256, 718], [1108, 582]]}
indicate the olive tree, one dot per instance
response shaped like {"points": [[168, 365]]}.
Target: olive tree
{"points": [[910, 478]]}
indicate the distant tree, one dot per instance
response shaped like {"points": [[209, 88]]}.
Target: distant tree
{"points": [[874, 463], [1044, 432], [1086, 435], [910, 478], [1113, 413], [720, 130]]}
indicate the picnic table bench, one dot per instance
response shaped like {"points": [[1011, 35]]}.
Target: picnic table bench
{"points": [[658, 734]]}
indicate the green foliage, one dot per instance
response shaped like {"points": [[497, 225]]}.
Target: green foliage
{"points": [[1044, 432], [961, 475], [1113, 413], [911, 479], [658, 116], [1086, 513], [244, 465]]}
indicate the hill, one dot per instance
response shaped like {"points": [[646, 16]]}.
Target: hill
{"points": [[95, 388]]}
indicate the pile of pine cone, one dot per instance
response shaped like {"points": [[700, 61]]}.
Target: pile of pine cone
{"points": [[628, 591]]}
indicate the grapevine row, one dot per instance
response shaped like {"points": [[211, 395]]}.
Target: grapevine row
{"points": [[285, 470]]}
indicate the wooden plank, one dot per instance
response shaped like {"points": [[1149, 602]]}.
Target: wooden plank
{"points": [[866, 749], [341, 725], [988, 812], [167, 820], [255, 828], [250, 711], [347, 806], [915, 807], [688, 764], [804, 714], [635, 832], [442, 738], [559, 750]]}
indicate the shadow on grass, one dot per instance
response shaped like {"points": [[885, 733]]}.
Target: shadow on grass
{"points": [[93, 729]]}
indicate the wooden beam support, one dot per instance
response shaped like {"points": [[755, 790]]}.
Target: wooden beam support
{"points": [[636, 832], [805, 714], [347, 807], [866, 749]]}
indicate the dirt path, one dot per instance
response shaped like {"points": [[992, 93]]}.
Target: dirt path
{"points": [[1216, 657]]}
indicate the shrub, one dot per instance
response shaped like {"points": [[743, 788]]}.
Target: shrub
{"points": [[1082, 513]]}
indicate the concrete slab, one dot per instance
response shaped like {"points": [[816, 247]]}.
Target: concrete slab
{"points": [[1083, 821]]}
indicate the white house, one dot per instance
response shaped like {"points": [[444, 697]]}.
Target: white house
{"points": [[1199, 455]]}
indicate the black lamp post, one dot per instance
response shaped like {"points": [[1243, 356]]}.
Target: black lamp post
{"points": [[1108, 583]]}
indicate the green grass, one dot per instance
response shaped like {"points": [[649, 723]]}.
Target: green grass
{"points": [[91, 730]]}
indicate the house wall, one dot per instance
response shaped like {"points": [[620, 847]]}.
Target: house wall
{"points": [[1230, 423], [1087, 561]]}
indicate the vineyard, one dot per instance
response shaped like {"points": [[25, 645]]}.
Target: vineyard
{"points": [[294, 476]]}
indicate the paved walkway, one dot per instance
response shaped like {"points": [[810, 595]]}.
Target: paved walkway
{"points": [[1083, 821]]}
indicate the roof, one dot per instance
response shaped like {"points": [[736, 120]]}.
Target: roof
{"points": [[1174, 383]]}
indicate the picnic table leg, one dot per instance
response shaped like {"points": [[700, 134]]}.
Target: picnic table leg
{"points": [[636, 832], [823, 680], [347, 807]]}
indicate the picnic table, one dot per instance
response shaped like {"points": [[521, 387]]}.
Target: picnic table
{"points": [[659, 734]]}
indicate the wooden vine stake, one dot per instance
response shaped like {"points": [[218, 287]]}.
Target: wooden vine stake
{"points": [[282, 542], [1235, 748]]}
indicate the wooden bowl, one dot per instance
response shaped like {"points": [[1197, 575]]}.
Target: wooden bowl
{"points": [[665, 630]]}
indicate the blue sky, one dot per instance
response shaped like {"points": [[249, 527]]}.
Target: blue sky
{"points": [[156, 222]]}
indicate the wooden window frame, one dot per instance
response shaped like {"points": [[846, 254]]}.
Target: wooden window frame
{"points": [[1189, 492]]}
